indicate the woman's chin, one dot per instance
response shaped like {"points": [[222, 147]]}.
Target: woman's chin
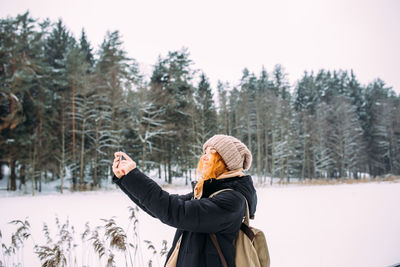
{"points": [[203, 171]]}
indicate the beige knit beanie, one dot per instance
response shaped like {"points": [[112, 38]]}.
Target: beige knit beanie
{"points": [[235, 154]]}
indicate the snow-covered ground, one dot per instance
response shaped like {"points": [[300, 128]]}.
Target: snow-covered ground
{"points": [[321, 226]]}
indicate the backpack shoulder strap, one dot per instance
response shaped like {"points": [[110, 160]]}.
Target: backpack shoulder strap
{"points": [[214, 237], [220, 191], [247, 214], [245, 227], [216, 244]]}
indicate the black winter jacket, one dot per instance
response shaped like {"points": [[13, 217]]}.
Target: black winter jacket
{"points": [[195, 219]]}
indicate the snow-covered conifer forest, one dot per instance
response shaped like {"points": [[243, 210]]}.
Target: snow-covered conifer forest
{"points": [[66, 107]]}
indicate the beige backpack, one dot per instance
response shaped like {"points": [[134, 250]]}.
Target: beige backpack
{"points": [[251, 245]]}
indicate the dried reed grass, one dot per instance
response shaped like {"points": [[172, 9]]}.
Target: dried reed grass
{"points": [[105, 241]]}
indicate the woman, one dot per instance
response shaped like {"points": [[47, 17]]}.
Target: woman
{"points": [[195, 215]]}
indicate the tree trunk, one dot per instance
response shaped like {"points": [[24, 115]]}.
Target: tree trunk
{"points": [[259, 162], [1, 171], [343, 159], [266, 151], [165, 172], [32, 172], [287, 170], [95, 158], [164, 160], [22, 176], [73, 136], [143, 154], [74, 177], [190, 174], [272, 156], [303, 167], [169, 169], [391, 149], [13, 177], [36, 181], [312, 158], [281, 159], [315, 174], [33, 164], [309, 165], [62, 152], [40, 182], [82, 155], [248, 129], [186, 176], [230, 122], [39, 149], [194, 159], [225, 119]]}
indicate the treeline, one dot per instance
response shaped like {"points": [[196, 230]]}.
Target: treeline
{"points": [[65, 107]]}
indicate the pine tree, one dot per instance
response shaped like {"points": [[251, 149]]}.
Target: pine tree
{"points": [[82, 110], [345, 137], [306, 95], [22, 70], [376, 94], [355, 93], [248, 90], [260, 103], [280, 82], [172, 90], [114, 74], [56, 50], [11, 103], [324, 159], [224, 118], [86, 50], [145, 125], [205, 112]]}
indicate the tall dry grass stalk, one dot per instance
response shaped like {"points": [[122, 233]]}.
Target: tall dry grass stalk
{"points": [[51, 256], [13, 255], [61, 252], [106, 245]]}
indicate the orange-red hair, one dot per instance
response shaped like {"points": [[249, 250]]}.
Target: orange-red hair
{"points": [[217, 167]]}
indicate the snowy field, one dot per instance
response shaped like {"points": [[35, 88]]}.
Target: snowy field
{"points": [[311, 226]]}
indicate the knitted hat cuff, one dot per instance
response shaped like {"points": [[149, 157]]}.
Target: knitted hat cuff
{"points": [[234, 153]]}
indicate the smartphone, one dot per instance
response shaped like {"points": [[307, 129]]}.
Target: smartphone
{"points": [[119, 161]]}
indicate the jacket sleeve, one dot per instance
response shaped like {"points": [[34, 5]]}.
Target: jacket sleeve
{"points": [[186, 197], [117, 181], [132, 197], [206, 215]]}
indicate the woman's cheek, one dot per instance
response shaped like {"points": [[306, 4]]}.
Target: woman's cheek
{"points": [[206, 165]]}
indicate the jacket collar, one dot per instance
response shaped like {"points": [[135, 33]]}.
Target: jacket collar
{"points": [[232, 173], [221, 182]]}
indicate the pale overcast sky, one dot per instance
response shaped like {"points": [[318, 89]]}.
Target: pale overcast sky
{"points": [[225, 36]]}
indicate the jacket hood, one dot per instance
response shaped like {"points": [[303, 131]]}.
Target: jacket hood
{"points": [[243, 185]]}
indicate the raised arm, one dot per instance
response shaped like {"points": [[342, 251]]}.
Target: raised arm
{"points": [[136, 201], [198, 215], [132, 197]]}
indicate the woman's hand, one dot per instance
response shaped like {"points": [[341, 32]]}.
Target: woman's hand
{"points": [[124, 166]]}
